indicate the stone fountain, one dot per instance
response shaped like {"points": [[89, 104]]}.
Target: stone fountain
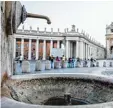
{"points": [[59, 90]]}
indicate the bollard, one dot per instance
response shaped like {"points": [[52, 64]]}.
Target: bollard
{"points": [[88, 63], [110, 64], [48, 65], [26, 66], [97, 64], [64, 64], [57, 64], [104, 64], [40, 65]]}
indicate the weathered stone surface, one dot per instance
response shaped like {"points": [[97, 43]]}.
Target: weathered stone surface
{"points": [[25, 66], [6, 44], [37, 91]]}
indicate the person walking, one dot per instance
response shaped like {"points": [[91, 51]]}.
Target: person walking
{"points": [[52, 60], [21, 58]]}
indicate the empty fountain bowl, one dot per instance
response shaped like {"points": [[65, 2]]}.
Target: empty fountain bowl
{"points": [[59, 90]]}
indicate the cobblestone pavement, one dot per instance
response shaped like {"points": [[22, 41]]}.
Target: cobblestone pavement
{"points": [[67, 70]]}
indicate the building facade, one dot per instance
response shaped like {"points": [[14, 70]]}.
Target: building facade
{"points": [[109, 41], [35, 44]]}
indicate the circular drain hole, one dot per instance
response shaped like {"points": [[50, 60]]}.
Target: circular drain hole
{"points": [[61, 101]]}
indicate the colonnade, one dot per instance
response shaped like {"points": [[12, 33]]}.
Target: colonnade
{"points": [[36, 49], [73, 48]]}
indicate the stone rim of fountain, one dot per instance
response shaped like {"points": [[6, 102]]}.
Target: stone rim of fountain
{"points": [[88, 76]]}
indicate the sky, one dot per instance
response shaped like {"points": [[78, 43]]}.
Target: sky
{"points": [[90, 16]]}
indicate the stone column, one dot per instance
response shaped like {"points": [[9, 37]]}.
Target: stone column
{"points": [[14, 50], [67, 44], [44, 50], [51, 46], [70, 48], [58, 43], [81, 50], [22, 47], [108, 49], [37, 49], [77, 49], [86, 51], [29, 53]]}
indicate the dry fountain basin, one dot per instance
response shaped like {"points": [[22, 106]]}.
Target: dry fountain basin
{"points": [[59, 90]]}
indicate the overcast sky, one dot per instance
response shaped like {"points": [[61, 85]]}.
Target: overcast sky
{"points": [[91, 16]]}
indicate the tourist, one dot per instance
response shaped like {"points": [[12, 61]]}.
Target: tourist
{"points": [[73, 62], [57, 58], [92, 62], [78, 62], [21, 58], [52, 60], [70, 62], [63, 58]]}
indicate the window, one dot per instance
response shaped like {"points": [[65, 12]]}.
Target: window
{"points": [[111, 30]]}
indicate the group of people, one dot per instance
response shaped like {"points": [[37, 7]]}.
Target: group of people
{"points": [[51, 58], [71, 61]]}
